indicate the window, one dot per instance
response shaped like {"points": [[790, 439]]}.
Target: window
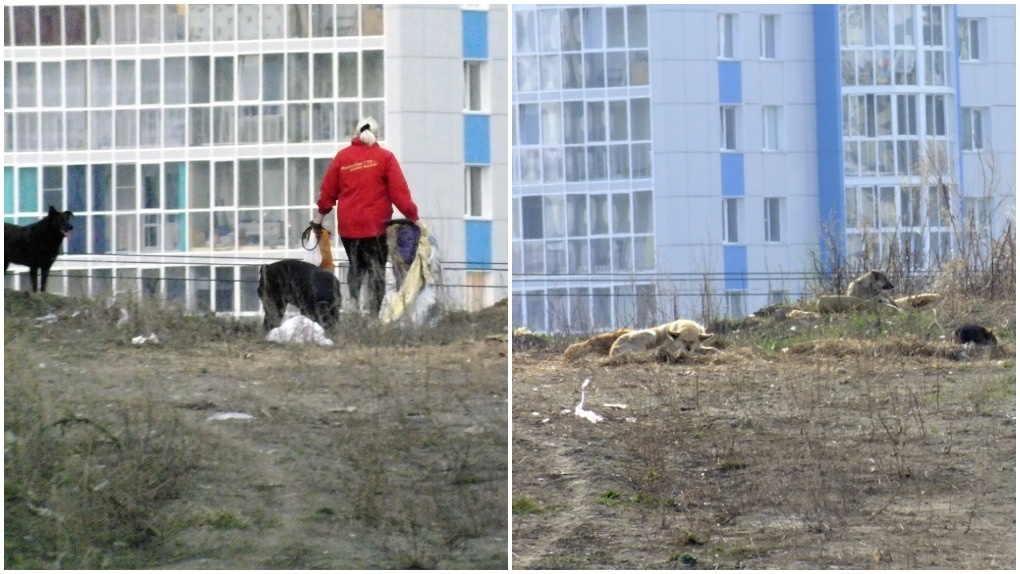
{"points": [[731, 220], [474, 191], [529, 124], [728, 128], [931, 25], [473, 83], [978, 217], [906, 115], [970, 39], [935, 113], [972, 136], [770, 128], [777, 297], [535, 303], [773, 219], [769, 30], [735, 304], [531, 217], [726, 29]]}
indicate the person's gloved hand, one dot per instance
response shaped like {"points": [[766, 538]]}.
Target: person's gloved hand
{"points": [[316, 223]]}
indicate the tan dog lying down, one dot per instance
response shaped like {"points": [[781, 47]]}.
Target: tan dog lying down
{"points": [[919, 301], [843, 303], [680, 336], [600, 344]]}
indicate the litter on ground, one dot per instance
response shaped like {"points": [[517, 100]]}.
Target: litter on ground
{"points": [[299, 329]]}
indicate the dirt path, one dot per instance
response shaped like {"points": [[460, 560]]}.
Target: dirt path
{"points": [[746, 461]]}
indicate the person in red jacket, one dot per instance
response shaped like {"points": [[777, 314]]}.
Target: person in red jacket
{"points": [[364, 182]]}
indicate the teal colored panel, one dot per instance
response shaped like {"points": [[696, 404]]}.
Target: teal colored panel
{"points": [[182, 230], [8, 191], [28, 187], [182, 186]]}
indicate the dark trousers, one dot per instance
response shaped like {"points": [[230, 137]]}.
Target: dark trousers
{"points": [[368, 258]]}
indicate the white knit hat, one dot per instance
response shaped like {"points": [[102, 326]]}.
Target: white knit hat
{"points": [[368, 130]]}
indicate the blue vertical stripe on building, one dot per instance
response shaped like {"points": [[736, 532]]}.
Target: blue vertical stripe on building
{"points": [[476, 139], [732, 174], [829, 130], [735, 267], [730, 88], [955, 43], [478, 236], [476, 34]]}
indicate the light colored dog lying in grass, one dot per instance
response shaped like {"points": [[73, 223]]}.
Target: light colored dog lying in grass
{"points": [[600, 344], [680, 336]]}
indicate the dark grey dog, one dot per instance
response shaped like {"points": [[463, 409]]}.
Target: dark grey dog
{"points": [[314, 291]]}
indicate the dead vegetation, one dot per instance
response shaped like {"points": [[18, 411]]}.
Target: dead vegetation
{"points": [[385, 451], [849, 441]]}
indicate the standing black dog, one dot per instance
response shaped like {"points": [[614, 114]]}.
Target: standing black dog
{"points": [[37, 245], [316, 292]]}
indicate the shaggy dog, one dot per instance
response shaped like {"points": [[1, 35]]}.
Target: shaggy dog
{"points": [[600, 344], [37, 245], [871, 285], [314, 291], [974, 334], [680, 336]]}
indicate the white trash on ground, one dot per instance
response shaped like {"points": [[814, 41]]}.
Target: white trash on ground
{"points": [[141, 339], [299, 329], [229, 416], [580, 411]]}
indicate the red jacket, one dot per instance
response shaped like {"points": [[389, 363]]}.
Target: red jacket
{"points": [[364, 182]]}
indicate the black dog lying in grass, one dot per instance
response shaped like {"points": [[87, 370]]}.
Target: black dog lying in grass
{"points": [[37, 245], [314, 291], [976, 334]]}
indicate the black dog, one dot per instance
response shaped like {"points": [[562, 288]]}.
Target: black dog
{"points": [[36, 246], [314, 291], [974, 334]]}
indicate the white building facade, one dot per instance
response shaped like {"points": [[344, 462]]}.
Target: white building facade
{"points": [[695, 161], [190, 140]]}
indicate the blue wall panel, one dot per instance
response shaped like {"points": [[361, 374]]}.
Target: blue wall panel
{"points": [[478, 238], [730, 89], [831, 202], [735, 267], [476, 34], [476, 139], [732, 174]]}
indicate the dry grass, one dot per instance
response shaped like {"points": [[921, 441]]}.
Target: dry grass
{"points": [[855, 441], [385, 451]]}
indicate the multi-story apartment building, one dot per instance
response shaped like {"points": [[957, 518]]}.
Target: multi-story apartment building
{"points": [[190, 140], [701, 160]]}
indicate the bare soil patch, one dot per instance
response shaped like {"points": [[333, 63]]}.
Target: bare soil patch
{"points": [[388, 450], [870, 443]]}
